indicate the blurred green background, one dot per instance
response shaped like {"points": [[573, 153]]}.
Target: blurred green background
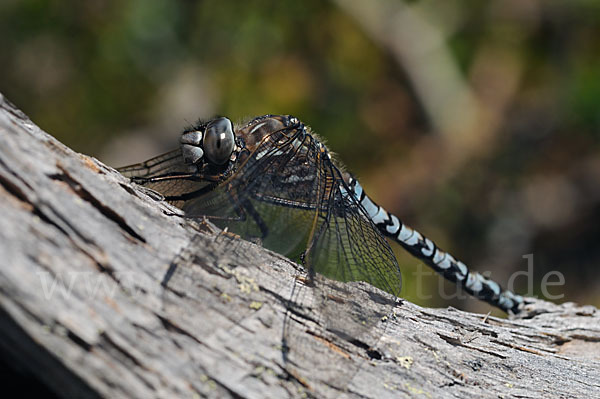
{"points": [[478, 122]]}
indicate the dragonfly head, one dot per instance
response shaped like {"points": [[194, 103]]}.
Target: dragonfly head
{"points": [[213, 142]]}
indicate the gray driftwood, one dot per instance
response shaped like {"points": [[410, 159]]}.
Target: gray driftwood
{"points": [[106, 291]]}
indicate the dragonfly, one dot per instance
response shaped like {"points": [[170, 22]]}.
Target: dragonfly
{"points": [[271, 180]]}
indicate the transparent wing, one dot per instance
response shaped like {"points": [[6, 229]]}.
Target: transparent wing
{"points": [[160, 165], [169, 175], [347, 245]]}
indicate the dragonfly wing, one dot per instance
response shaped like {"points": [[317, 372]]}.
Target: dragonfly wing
{"points": [[169, 175], [159, 165], [347, 246]]}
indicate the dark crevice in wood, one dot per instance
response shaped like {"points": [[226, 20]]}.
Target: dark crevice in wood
{"points": [[11, 187], [169, 325], [79, 341], [108, 343], [88, 197]]}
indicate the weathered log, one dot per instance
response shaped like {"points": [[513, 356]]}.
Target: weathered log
{"points": [[107, 291]]}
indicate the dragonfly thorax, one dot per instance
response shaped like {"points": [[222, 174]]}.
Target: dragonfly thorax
{"points": [[255, 132]]}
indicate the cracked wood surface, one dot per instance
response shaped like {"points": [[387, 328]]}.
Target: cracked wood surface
{"points": [[106, 291]]}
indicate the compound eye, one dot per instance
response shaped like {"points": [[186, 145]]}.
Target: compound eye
{"points": [[219, 140]]}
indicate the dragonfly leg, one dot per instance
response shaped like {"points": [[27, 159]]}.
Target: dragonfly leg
{"points": [[248, 207]]}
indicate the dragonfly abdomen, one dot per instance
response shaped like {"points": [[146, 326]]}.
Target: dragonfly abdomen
{"points": [[442, 262]]}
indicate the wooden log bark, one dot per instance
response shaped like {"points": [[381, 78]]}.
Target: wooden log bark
{"points": [[105, 291]]}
